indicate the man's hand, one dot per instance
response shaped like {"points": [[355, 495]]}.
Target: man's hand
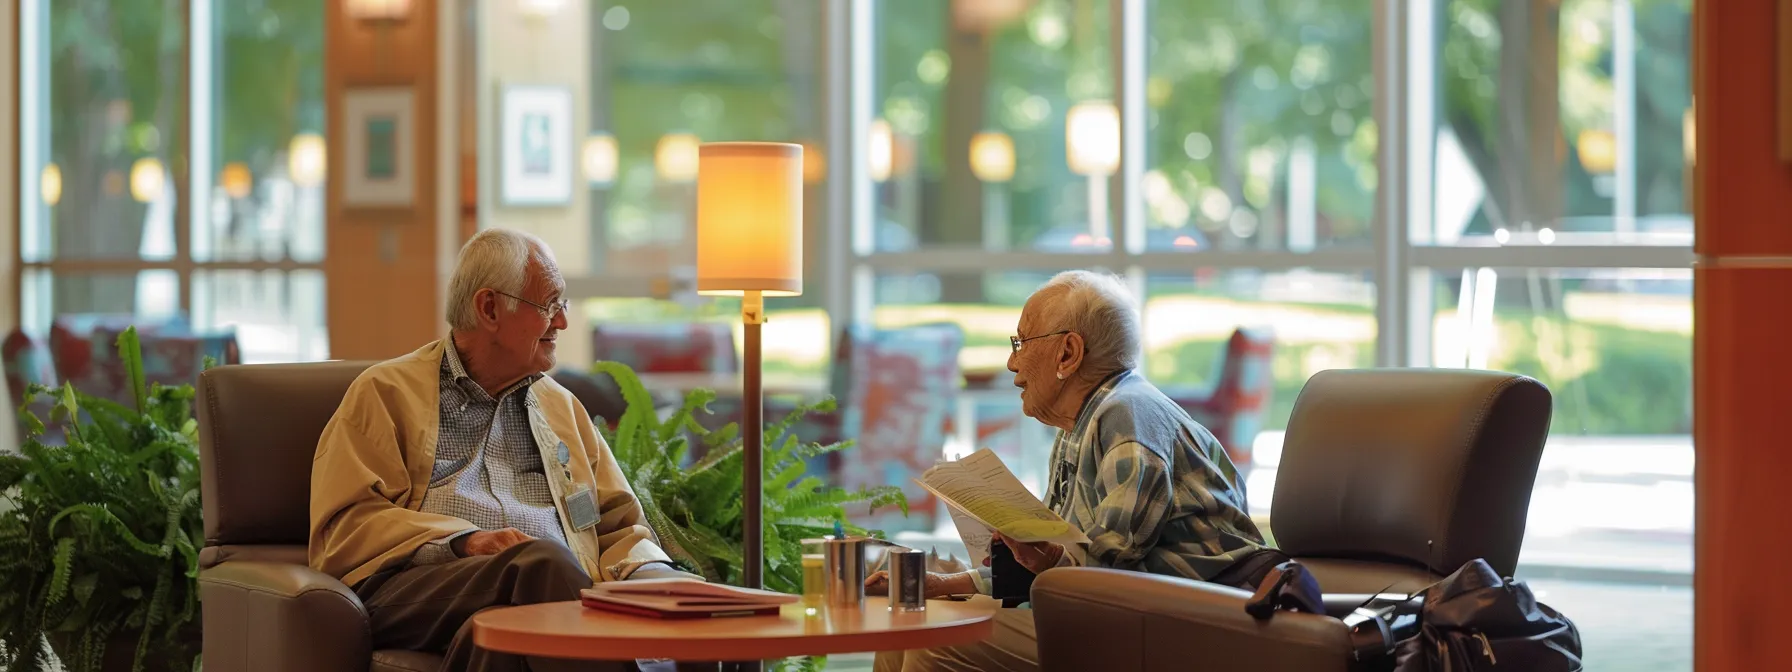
{"points": [[488, 542], [936, 585], [1036, 556]]}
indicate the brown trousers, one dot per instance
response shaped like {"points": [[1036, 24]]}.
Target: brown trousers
{"points": [[430, 607]]}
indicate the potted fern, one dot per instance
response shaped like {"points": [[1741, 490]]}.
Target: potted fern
{"points": [[99, 537], [696, 509]]}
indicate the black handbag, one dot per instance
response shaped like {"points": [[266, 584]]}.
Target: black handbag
{"points": [[1471, 621]]}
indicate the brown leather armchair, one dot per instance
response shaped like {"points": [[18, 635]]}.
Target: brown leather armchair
{"points": [[263, 608], [1390, 479]]}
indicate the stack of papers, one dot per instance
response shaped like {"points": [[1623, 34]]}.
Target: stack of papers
{"points": [[682, 598], [983, 496]]}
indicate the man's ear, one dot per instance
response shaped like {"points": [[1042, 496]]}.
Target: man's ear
{"points": [[485, 307], [1070, 358]]}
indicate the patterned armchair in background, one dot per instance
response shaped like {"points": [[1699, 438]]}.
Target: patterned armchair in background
{"points": [[27, 360], [676, 347], [170, 357], [72, 344], [897, 389], [1233, 406]]}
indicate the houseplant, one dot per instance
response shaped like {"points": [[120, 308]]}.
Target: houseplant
{"points": [[99, 537], [697, 509]]}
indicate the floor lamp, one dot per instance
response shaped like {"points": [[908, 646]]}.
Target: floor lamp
{"points": [[750, 245]]}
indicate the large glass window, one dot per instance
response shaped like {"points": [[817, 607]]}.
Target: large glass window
{"points": [[1308, 321], [994, 126], [164, 142], [1562, 123], [668, 75], [1261, 133]]}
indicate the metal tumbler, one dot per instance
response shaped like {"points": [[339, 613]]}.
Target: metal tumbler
{"points": [[908, 579], [845, 565]]}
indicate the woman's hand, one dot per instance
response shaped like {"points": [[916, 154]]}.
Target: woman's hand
{"points": [[936, 584], [1036, 556]]}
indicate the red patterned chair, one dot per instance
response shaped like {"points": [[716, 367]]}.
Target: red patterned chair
{"points": [[677, 347], [1233, 406], [170, 357], [897, 390], [27, 361]]}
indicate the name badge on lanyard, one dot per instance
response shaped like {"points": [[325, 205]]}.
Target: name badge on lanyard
{"points": [[581, 502]]}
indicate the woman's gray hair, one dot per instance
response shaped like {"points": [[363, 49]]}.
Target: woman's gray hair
{"points": [[496, 259], [1101, 309]]}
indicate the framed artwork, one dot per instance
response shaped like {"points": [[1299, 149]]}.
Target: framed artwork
{"points": [[380, 132], [535, 143]]}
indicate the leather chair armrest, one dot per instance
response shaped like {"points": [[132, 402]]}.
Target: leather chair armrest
{"points": [[278, 617], [1106, 619]]}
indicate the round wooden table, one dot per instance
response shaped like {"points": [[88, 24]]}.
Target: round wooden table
{"points": [[570, 630]]}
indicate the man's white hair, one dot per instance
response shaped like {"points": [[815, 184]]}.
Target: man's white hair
{"points": [[496, 259], [1101, 309]]}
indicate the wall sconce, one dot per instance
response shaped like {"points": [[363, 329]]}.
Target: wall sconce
{"points": [[540, 9], [675, 157], [599, 158], [378, 11], [881, 154], [236, 179], [147, 179], [986, 16], [307, 160], [992, 156], [1092, 134], [50, 185], [1598, 150]]}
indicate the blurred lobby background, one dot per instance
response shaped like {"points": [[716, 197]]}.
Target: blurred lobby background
{"points": [[1451, 183]]}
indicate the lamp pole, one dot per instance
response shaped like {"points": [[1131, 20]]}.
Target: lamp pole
{"points": [[752, 313]]}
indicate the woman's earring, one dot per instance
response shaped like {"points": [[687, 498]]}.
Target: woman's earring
{"points": [[1060, 375]]}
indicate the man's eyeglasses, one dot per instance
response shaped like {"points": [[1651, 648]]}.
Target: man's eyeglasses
{"points": [[551, 310], [1016, 340]]}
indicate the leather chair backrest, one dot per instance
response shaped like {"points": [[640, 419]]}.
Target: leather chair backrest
{"points": [[1424, 467], [258, 431]]}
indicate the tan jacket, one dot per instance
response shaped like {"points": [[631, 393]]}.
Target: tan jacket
{"points": [[374, 461]]}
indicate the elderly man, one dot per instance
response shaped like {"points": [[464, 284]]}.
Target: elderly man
{"points": [[1150, 487], [458, 477]]}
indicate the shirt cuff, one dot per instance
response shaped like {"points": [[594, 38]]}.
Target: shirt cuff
{"points": [[980, 579], [438, 551]]}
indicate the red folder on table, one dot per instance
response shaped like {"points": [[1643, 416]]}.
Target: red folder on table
{"points": [[682, 598]]}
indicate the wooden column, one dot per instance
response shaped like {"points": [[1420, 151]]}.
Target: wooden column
{"points": [[1742, 368], [381, 266]]}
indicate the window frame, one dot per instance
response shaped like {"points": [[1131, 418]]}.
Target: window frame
{"points": [[192, 148]]}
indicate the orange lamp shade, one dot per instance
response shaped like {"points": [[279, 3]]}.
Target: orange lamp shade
{"points": [[750, 218]]}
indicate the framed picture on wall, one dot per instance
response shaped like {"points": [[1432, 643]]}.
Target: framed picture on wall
{"points": [[535, 143], [380, 135]]}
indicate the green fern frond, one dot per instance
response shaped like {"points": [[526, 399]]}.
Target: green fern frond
{"points": [[65, 555], [99, 513], [130, 350]]}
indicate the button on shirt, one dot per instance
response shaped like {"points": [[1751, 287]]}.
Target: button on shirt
{"points": [[488, 470]]}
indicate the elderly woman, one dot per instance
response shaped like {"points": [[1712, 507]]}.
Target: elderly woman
{"points": [[1151, 488]]}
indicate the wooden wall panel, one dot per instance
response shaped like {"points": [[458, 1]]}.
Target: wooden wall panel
{"points": [[381, 266], [1742, 368]]}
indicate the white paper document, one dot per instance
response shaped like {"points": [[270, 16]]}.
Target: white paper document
{"points": [[980, 491]]}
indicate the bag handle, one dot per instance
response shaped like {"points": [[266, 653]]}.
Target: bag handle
{"points": [[1287, 587]]}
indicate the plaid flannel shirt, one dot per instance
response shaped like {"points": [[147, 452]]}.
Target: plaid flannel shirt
{"points": [[1153, 489]]}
